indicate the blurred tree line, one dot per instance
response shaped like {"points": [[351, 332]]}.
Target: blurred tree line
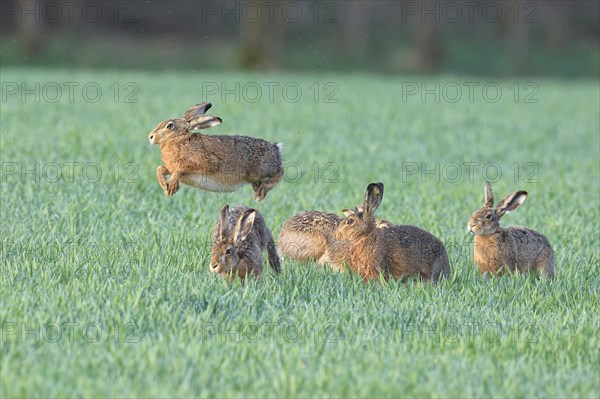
{"points": [[475, 37]]}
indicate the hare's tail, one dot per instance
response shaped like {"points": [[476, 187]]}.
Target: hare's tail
{"points": [[273, 257]]}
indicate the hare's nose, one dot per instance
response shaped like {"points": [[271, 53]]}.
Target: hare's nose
{"points": [[151, 136], [214, 266]]}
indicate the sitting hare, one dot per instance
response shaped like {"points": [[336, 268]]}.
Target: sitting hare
{"points": [[497, 249], [239, 238], [401, 252], [213, 163]]}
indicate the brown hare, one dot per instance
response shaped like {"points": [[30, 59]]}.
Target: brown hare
{"points": [[402, 252], [307, 235], [239, 238], [516, 249], [304, 236], [213, 163]]}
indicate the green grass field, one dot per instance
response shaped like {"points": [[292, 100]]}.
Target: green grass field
{"points": [[105, 287]]}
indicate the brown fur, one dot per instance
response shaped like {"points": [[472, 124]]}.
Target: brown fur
{"points": [[515, 249], [239, 238], [379, 223], [309, 235], [303, 237], [402, 252], [213, 163]]}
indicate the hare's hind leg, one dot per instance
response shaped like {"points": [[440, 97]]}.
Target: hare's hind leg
{"points": [[544, 264], [262, 187]]}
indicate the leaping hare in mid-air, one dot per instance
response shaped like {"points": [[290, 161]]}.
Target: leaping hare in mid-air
{"points": [[516, 249], [213, 163]]}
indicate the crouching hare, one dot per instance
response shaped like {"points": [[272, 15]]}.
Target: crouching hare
{"points": [[516, 249], [304, 236], [308, 235], [213, 163], [403, 252], [239, 238]]}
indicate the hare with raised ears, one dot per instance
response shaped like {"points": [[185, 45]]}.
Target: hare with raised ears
{"points": [[403, 252], [308, 235], [213, 163], [239, 238], [516, 249]]}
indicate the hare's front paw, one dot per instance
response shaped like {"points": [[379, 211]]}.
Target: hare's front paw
{"points": [[161, 173], [172, 187], [173, 184]]}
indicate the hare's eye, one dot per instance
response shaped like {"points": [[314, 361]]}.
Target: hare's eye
{"points": [[488, 216], [170, 125], [350, 222], [228, 251]]}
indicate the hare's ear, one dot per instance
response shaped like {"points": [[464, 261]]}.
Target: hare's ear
{"points": [[358, 210], [488, 200], [510, 202], [224, 222], [347, 211], [204, 122], [373, 197], [198, 109], [244, 225]]}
